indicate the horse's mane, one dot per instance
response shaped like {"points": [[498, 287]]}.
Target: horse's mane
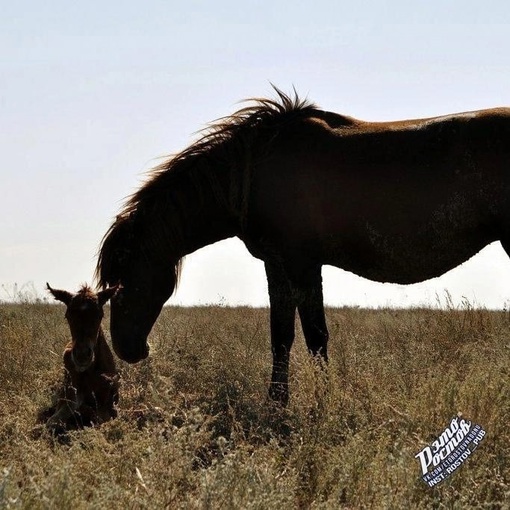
{"points": [[229, 140]]}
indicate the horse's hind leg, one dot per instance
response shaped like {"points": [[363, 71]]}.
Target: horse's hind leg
{"points": [[283, 311], [311, 313], [505, 243]]}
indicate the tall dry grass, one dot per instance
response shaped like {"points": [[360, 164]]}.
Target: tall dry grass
{"points": [[195, 429]]}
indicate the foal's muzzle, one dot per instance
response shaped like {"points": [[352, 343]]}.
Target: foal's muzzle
{"points": [[82, 359]]}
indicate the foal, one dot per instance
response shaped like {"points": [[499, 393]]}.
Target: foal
{"points": [[91, 381]]}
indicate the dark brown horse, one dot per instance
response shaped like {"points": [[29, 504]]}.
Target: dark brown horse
{"points": [[91, 386], [393, 202]]}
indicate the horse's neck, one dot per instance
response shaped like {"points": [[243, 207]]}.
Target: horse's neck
{"points": [[205, 230], [201, 215], [105, 363]]}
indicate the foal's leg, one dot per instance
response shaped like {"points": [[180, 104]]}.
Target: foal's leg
{"points": [[311, 313], [107, 396], [283, 311], [67, 404]]}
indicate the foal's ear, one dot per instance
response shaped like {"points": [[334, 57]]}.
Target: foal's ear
{"points": [[60, 295], [104, 295]]}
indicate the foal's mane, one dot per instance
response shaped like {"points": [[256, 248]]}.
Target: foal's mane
{"points": [[86, 293], [230, 141]]}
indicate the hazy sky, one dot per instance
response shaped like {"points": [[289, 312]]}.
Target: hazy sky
{"points": [[93, 93]]}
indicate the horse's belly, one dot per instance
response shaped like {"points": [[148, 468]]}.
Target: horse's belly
{"points": [[403, 260]]}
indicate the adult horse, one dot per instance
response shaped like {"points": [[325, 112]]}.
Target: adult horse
{"points": [[390, 201]]}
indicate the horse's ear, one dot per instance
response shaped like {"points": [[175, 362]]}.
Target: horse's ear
{"points": [[104, 295], [60, 295]]}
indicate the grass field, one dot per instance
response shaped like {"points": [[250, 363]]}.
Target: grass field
{"points": [[195, 429]]}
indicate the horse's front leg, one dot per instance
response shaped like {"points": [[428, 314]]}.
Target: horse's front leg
{"points": [[311, 313], [283, 312]]}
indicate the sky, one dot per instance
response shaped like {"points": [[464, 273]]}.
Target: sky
{"points": [[93, 94]]}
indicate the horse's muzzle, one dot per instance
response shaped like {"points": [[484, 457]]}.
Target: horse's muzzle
{"points": [[132, 351]]}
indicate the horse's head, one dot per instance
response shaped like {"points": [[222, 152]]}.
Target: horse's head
{"points": [[84, 314], [147, 276], [136, 307]]}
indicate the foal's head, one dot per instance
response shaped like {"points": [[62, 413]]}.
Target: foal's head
{"points": [[84, 314]]}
